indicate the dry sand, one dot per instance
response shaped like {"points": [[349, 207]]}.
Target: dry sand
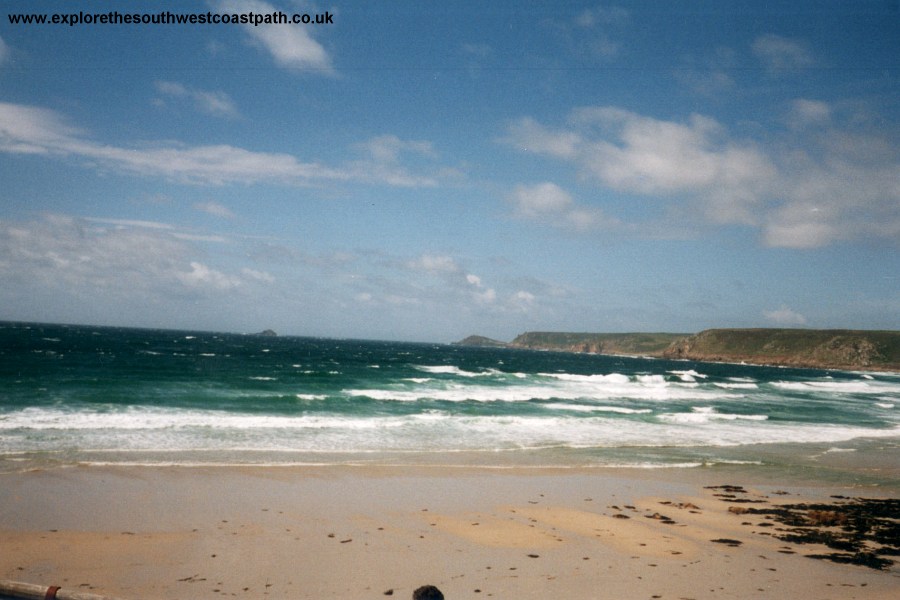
{"points": [[360, 532]]}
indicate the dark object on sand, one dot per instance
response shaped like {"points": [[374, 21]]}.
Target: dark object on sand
{"points": [[31, 591], [859, 531], [428, 592]]}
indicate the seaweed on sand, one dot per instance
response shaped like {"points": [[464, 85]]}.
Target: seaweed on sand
{"points": [[861, 531]]}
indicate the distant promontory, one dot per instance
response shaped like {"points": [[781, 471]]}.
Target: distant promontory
{"points": [[814, 348]]}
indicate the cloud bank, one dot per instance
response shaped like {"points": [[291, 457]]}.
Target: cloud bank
{"points": [[28, 129], [823, 182]]}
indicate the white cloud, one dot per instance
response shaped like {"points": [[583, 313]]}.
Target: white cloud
{"points": [[798, 233], [785, 316], [291, 46], [641, 154], [215, 209], [387, 148], [453, 278], [633, 153], [548, 203], [524, 297], [779, 53], [26, 129], [199, 237], [485, 296], [384, 162], [217, 104], [32, 130], [480, 293], [540, 200], [107, 260], [529, 136], [124, 223], [818, 185], [435, 264], [809, 112], [202, 276]]}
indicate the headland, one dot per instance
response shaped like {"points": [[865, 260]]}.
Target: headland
{"points": [[844, 349]]}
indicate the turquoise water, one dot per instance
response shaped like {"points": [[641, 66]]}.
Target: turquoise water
{"points": [[81, 394]]}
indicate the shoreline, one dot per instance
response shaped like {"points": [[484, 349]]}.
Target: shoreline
{"points": [[363, 532], [872, 462]]}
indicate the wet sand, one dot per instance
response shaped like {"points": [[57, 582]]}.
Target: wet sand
{"points": [[367, 532]]}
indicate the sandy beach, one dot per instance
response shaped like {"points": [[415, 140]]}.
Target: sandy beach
{"points": [[367, 532]]}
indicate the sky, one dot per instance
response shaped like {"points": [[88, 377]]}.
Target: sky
{"points": [[423, 171]]}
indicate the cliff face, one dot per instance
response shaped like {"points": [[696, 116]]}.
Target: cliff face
{"points": [[829, 348]]}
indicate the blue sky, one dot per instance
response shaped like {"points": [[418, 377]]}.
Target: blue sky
{"points": [[423, 171]]}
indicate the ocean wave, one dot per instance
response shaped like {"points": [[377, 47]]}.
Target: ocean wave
{"points": [[311, 396], [689, 376], [704, 414], [48, 429], [592, 408], [317, 397], [840, 387], [453, 370], [545, 386]]}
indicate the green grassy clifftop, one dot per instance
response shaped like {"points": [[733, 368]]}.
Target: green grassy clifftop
{"points": [[481, 341], [644, 344], [820, 348], [817, 348]]}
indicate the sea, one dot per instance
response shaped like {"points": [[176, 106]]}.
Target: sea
{"points": [[86, 395]]}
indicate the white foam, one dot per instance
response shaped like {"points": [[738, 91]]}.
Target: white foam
{"points": [[736, 386], [450, 370], [690, 375], [619, 386], [559, 387], [435, 430], [705, 414], [840, 387], [589, 408], [610, 378], [311, 396]]}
